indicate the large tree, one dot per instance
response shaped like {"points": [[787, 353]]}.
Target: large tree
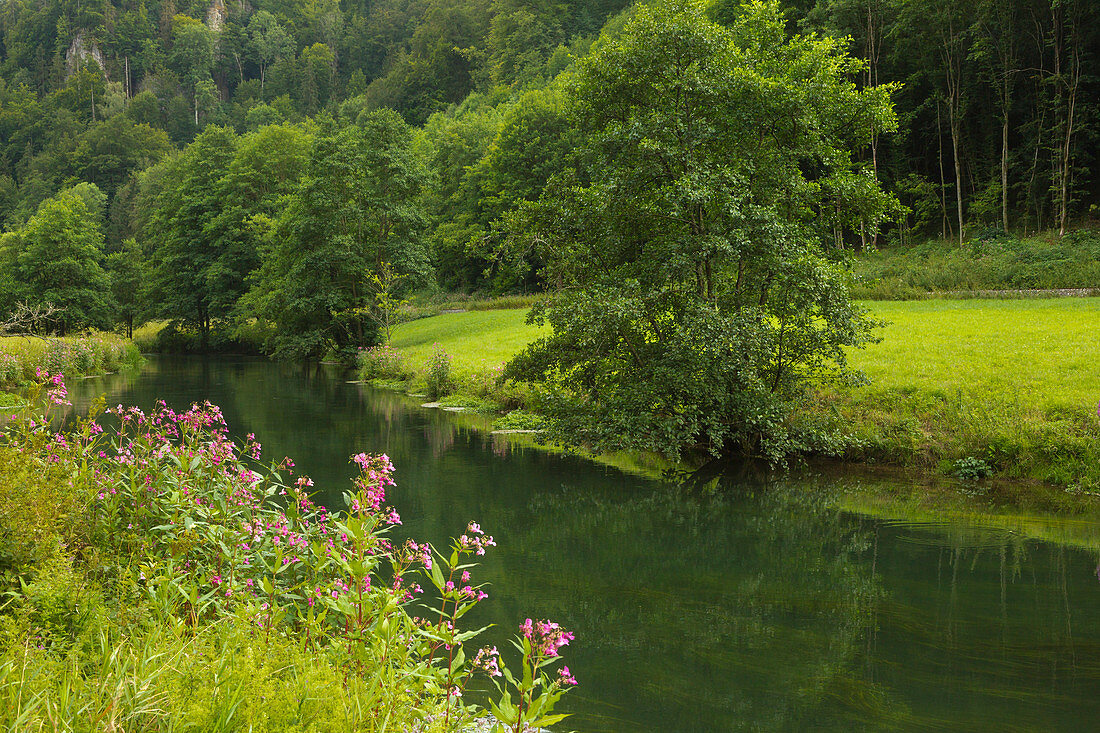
{"points": [[356, 212], [697, 297], [61, 259], [180, 233]]}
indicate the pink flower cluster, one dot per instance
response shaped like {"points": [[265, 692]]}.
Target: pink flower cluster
{"points": [[486, 660], [475, 539], [376, 475], [56, 393], [546, 637]]}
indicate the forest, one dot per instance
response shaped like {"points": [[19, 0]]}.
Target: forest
{"points": [[174, 161]]}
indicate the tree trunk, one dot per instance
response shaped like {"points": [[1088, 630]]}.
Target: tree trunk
{"points": [[1004, 174], [956, 132], [945, 223], [1072, 83]]}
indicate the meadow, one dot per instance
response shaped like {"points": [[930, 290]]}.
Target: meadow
{"points": [[1008, 385], [476, 340], [1036, 353]]}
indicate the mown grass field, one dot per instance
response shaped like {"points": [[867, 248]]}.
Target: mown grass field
{"points": [[1014, 383], [1043, 353], [476, 340]]}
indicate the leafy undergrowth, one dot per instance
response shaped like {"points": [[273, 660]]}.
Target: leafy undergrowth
{"points": [[520, 420], [91, 353], [156, 578], [993, 262]]}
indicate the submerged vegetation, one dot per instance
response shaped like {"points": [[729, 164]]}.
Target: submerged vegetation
{"points": [[158, 577]]}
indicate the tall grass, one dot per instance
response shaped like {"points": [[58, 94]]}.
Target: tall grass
{"points": [[994, 262], [162, 579], [86, 354]]}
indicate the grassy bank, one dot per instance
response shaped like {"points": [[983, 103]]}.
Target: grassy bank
{"points": [[476, 343], [157, 577], [991, 262], [1010, 385], [75, 356]]}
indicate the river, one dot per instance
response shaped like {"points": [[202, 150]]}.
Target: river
{"points": [[763, 605]]}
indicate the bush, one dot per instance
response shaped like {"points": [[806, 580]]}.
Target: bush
{"points": [[971, 468], [519, 420], [438, 374], [382, 362]]}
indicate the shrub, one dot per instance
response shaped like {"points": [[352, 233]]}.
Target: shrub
{"points": [[382, 362], [972, 469], [438, 377], [519, 420]]}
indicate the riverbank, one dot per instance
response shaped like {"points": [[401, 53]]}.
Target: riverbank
{"points": [[972, 388], [676, 565], [158, 576], [90, 354]]}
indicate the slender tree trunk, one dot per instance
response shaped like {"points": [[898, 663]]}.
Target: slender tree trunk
{"points": [[1067, 147], [873, 49], [1073, 82], [1004, 173], [952, 55], [945, 222], [956, 132]]}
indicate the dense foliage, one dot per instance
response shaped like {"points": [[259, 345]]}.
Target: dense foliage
{"points": [[696, 298], [292, 171], [157, 577], [997, 118]]}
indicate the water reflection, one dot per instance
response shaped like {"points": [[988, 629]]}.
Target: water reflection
{"points": [[716, 602]]}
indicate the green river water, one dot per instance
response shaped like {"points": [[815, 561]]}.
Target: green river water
{"points": [[760, 606]]}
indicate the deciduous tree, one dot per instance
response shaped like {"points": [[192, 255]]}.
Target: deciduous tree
{"points": [[697, 294]]}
